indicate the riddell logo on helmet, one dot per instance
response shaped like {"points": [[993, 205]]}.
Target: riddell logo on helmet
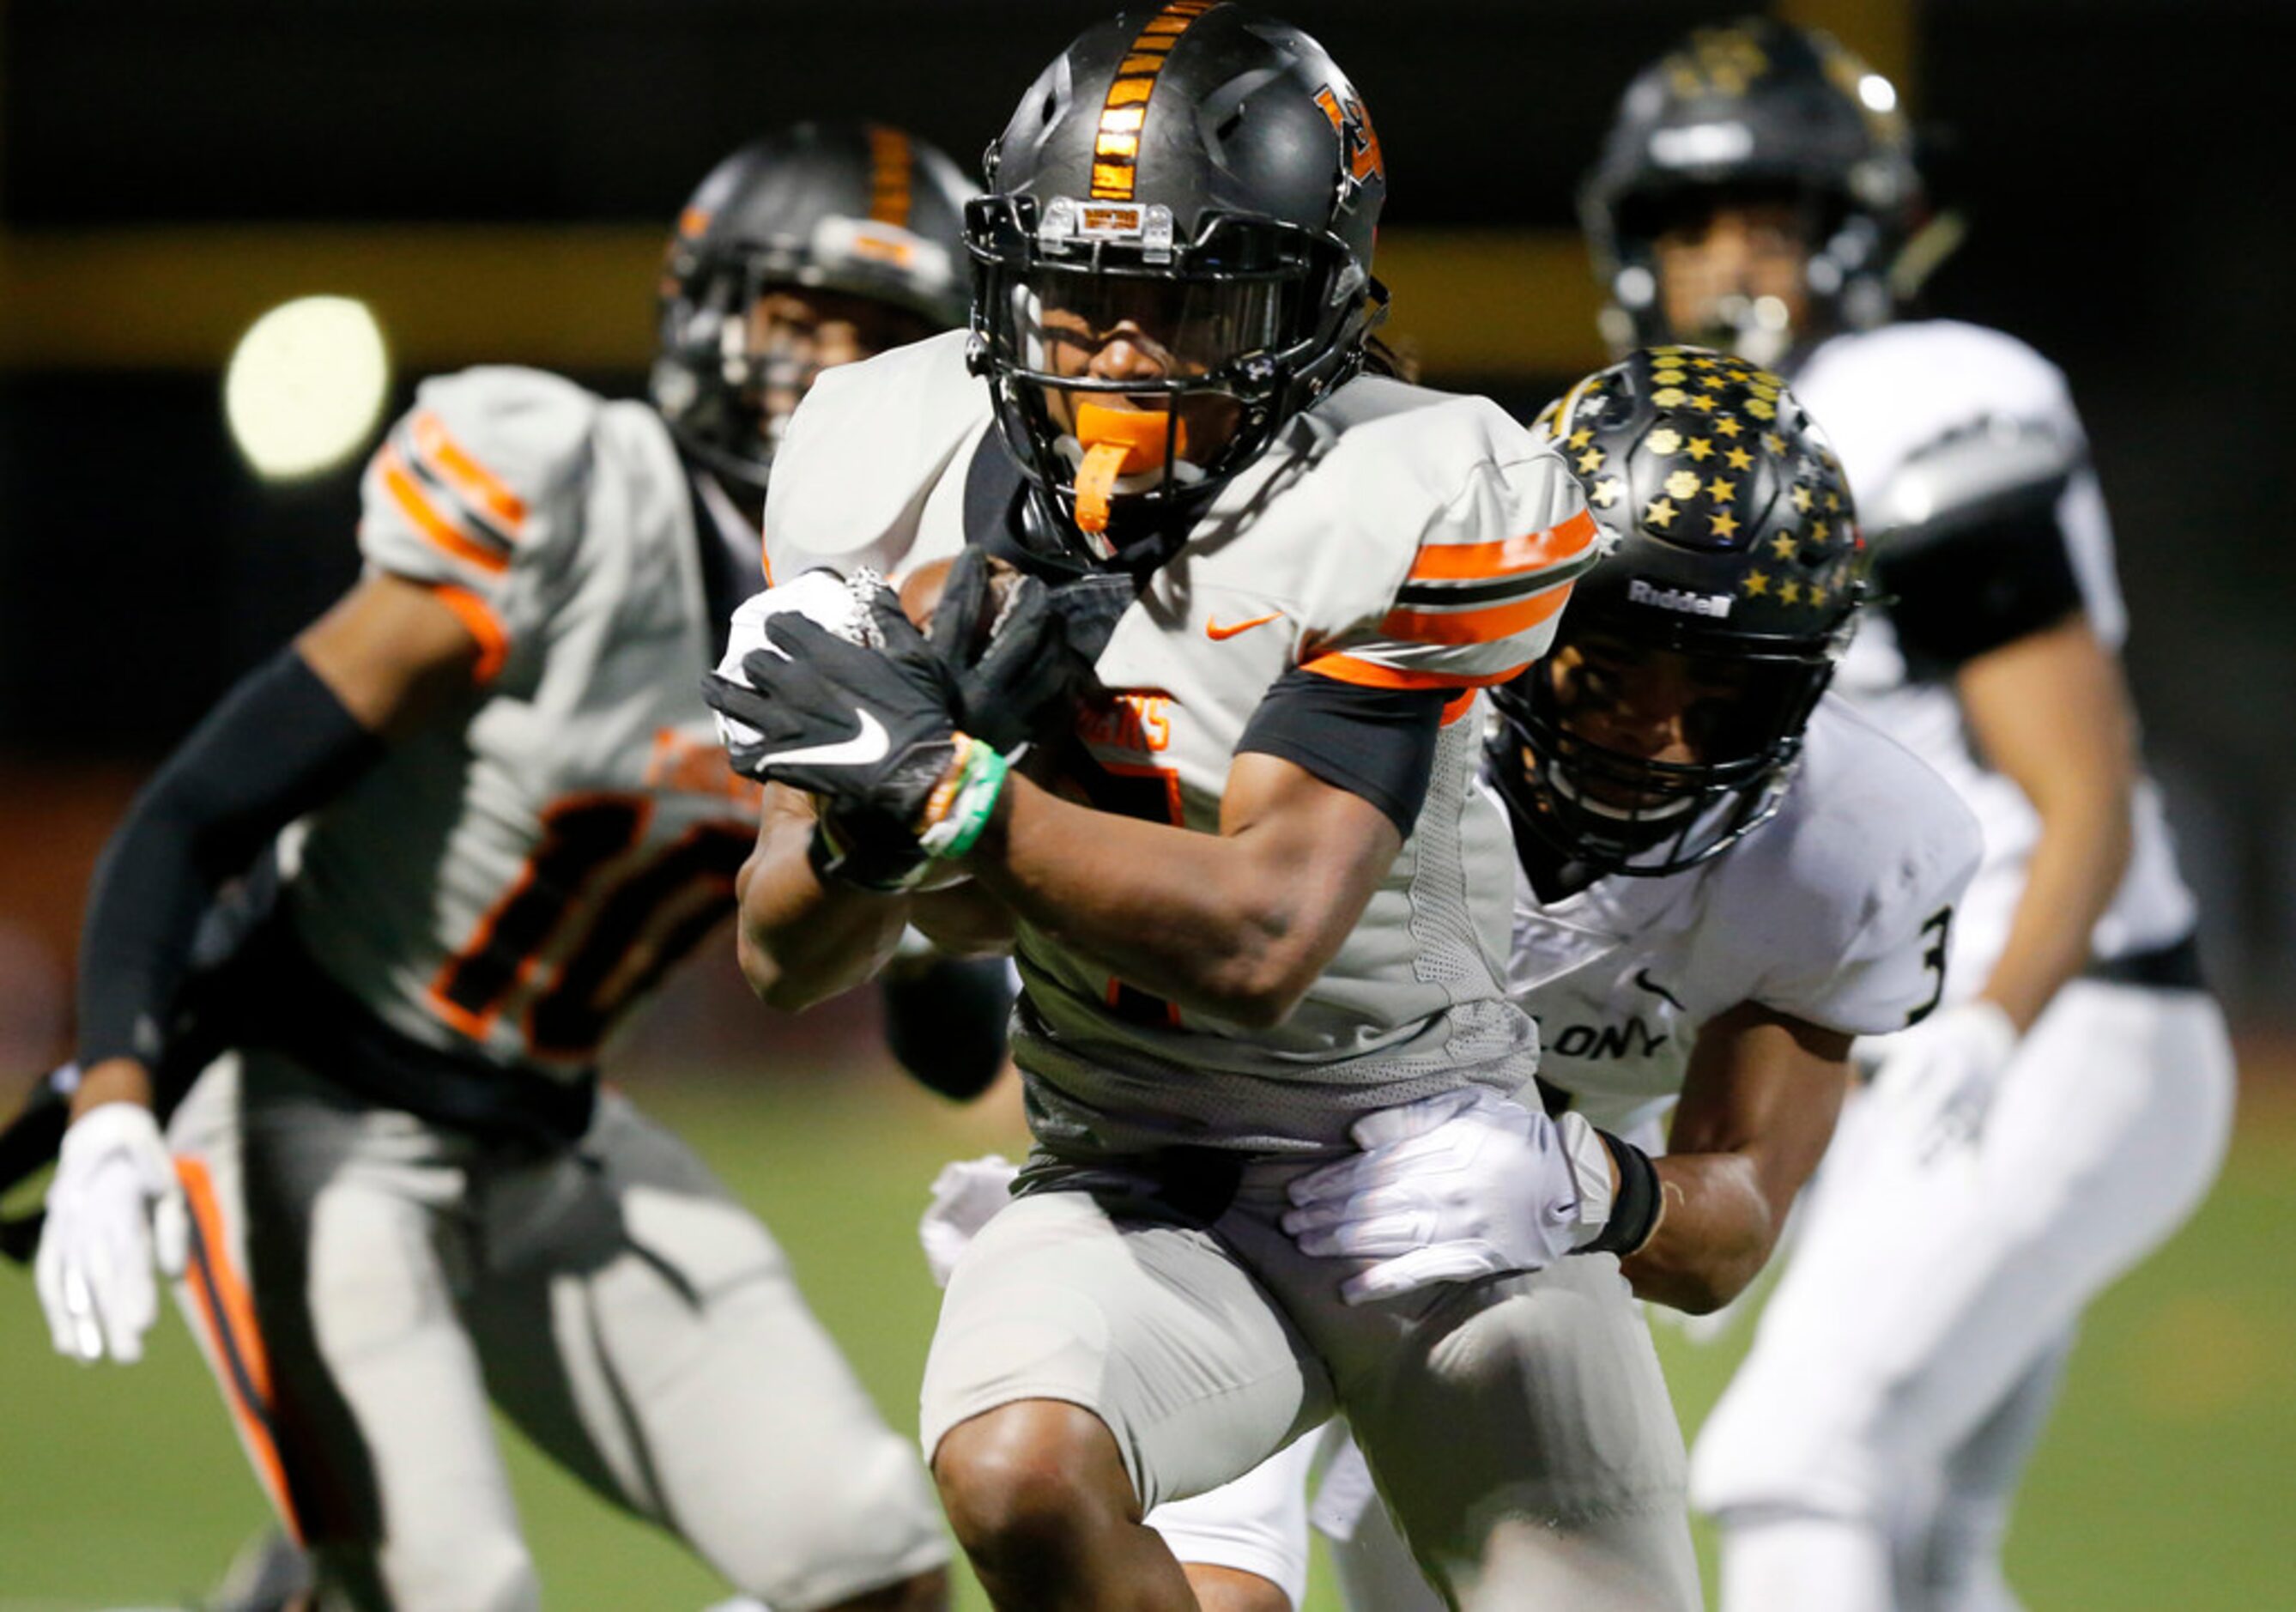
{"points": [[1715, 604]]}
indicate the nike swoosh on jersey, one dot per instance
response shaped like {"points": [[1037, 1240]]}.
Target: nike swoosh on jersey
{"points": [[1216, 632], [1643, 979], [870, 744]]}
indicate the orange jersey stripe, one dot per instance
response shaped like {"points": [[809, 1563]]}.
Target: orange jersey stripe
{"points": [[1371, 674], [408, 496], [1474, 626], [228, 1315], [1471, 562], [477, 615], [468, 477]]}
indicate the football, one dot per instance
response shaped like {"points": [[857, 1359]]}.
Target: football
{"points": [[920, 592]]}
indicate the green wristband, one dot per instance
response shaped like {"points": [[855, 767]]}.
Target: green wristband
{"points": [[975, 803]]}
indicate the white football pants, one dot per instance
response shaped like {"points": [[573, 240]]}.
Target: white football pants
{"points": [[1901, 1372]]}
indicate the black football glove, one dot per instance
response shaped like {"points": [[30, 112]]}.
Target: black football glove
{"points": [[870, 732], [1026, 677]]}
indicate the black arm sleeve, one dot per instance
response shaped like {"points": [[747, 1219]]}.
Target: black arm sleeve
{"points": [[279, 746], [1376, 742], [1978, 579], [946, 1023]]}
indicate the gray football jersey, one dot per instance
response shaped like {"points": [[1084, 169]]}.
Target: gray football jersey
{"points": [[1394, 536], [512, 883], [1835, 911]]}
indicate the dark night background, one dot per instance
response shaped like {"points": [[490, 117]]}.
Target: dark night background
{"points": [[2121, 160]]}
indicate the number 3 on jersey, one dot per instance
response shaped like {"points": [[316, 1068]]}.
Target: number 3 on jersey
{"points": [[635, 920], [1940, 925]]}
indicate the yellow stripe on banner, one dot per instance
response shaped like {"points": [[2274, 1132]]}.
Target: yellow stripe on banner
{"points": [[445, 296], [1470, 304]]}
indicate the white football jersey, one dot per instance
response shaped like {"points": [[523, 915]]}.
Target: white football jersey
{"points": [[512, 882], [1884, 397], [1835, 911], [1393, 537]]}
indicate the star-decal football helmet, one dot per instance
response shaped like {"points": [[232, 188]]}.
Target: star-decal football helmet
{"points": [[1757, 110], [1730, 542], [1198, 184], [859, 209]]}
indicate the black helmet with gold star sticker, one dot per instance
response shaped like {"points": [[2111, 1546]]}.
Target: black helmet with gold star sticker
{"points": [[1728, 588]]}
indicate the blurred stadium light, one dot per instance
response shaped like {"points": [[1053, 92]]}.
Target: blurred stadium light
{"points": [[306, 386]]}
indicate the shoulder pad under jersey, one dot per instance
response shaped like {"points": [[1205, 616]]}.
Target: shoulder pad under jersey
{"points": [[865, 450], [1885, 397], [1970, 477], [1847, 893], [1449, 539], [479, 490]]}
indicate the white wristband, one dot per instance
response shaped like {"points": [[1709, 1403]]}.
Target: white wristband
{"points": [[1590, 1171]]}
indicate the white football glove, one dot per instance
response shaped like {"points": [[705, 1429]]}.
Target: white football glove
{"points": [[967, 1196], [1468, 1184], [114, 1209], [1936, 1080]]}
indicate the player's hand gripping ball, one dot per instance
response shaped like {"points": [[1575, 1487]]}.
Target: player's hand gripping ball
{"points": [[1004, 640]]}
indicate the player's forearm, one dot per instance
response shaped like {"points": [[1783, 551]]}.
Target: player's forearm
{"points": [[2051, 713], [2076, 866], [280, 745], [1758, 1108], [1717, 1233], [801, 941], [1234, 925]]}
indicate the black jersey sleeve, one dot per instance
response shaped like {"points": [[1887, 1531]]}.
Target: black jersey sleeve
{"points": [[1378, 744], [1978, 577], [279, 746]]}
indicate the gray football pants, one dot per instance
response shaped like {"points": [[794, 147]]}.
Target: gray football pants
{"points": [[1519, 1427], [366, 1283]]}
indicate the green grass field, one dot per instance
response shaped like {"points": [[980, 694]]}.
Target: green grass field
{"points": [[2159, 1487]]}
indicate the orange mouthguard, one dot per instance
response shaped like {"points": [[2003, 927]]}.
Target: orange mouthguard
{"points": [[1119, 442]]}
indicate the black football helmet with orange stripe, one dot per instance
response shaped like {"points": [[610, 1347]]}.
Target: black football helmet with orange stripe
{"points": [[833, 210], [1194, 188], [1727, 593], [1759, 109]]}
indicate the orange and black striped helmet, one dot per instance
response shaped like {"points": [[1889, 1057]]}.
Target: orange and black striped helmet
{"points": [[1203, 174]]}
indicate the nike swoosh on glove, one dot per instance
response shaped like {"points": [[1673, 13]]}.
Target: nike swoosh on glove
{"points": [[115, 1209], [1025, 677], [1937, 1082], [1451, 1187], [869, 731]]}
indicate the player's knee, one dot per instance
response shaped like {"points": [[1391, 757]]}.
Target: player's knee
{"points": [[1029, 1480]]}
